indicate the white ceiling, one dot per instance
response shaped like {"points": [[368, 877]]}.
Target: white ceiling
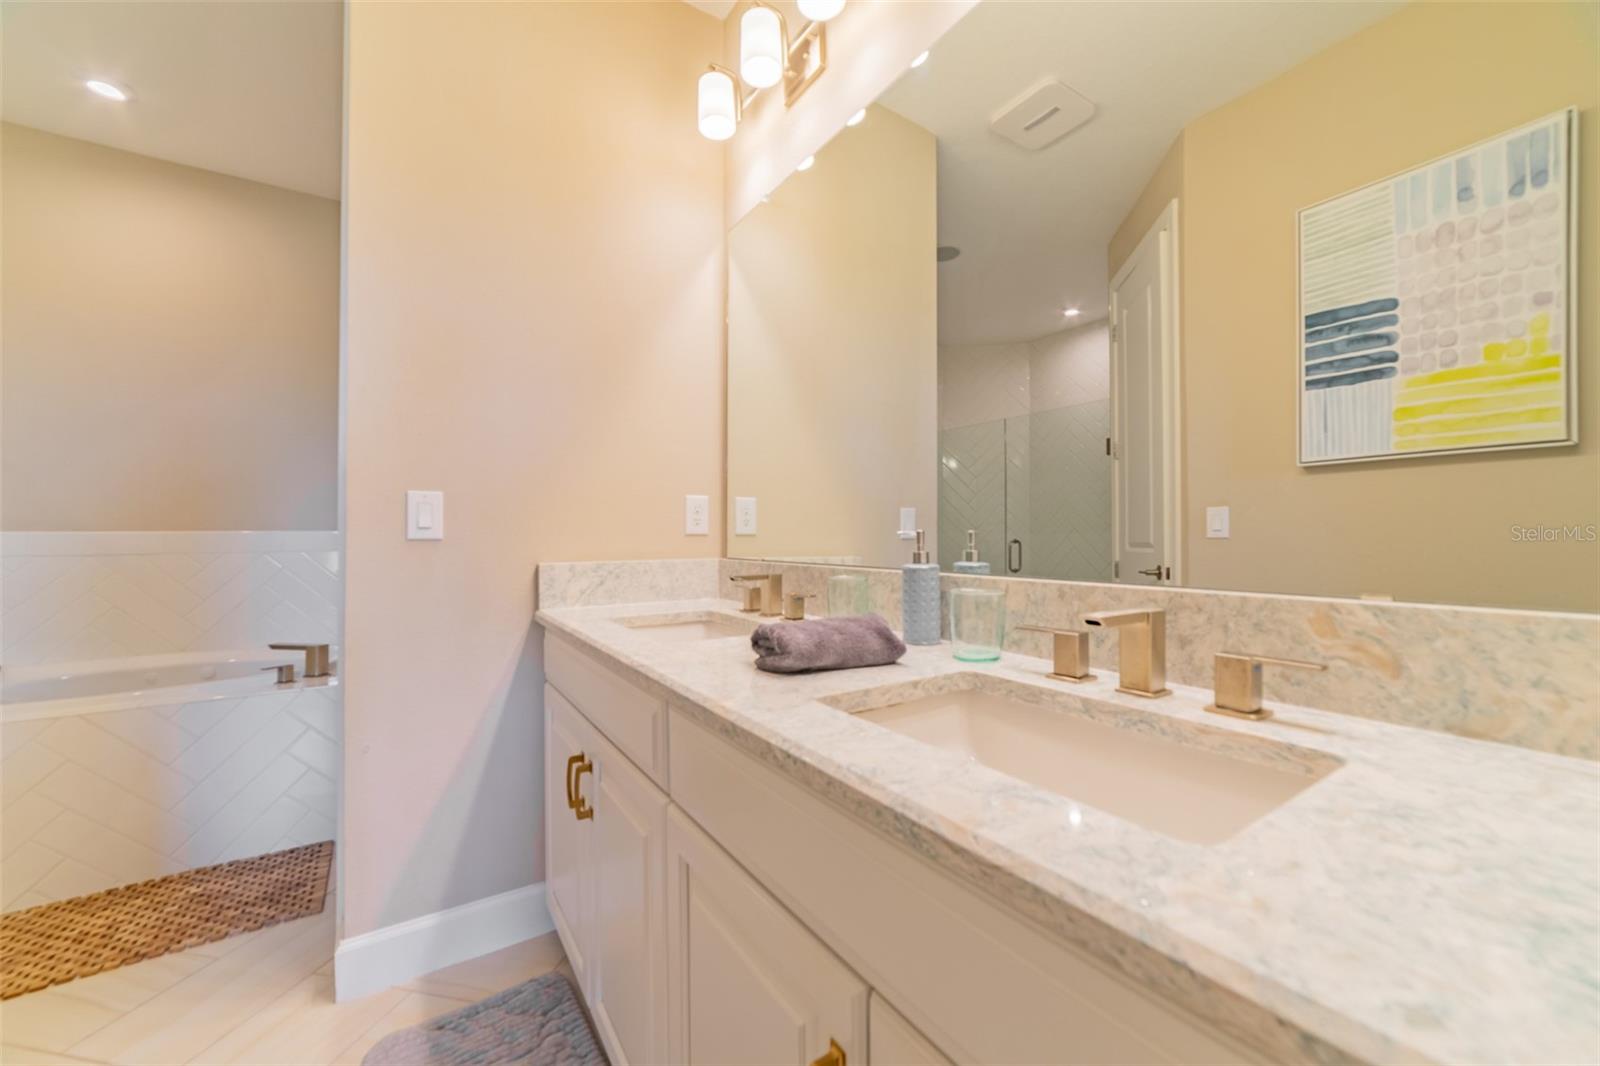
{"points": [[714, 8], [1033, 226], [248, 89]]}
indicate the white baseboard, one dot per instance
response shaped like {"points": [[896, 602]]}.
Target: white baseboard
{"points": [[385, 957]]}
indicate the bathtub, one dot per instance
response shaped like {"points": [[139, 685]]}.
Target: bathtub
{"points": [[114, 684], [124, 769]]}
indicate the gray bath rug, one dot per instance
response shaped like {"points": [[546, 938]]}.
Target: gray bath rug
{"points": [[540, 1023]]}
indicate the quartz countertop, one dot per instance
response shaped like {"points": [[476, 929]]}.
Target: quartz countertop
{"points": [[1433, 898]]}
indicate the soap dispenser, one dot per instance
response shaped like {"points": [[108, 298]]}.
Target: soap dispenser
{"points": [[968, 563], [919, 596]]}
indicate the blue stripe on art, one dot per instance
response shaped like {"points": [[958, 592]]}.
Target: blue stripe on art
{"points": [[1444, 190], [1350, 362], [1344, 329], [1358, 378], [1351, 344], [1539, 156], [1345, 314]]}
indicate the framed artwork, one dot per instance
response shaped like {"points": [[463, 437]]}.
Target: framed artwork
{"points": [[1437, 309]]}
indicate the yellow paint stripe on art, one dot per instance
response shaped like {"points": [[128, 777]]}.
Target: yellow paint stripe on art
{"points": [[1539, 345], [1469, 440], [1494, 352], [1472, 405], [1469, 423], [1503, 368], [1480, 387], [1539, 323]]}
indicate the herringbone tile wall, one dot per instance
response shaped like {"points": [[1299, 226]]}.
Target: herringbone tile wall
{"points": [[73, 596], [91, 801]]}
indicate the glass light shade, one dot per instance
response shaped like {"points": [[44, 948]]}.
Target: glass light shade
{"points": [[820, 10], [719, 114], [760, 48]]}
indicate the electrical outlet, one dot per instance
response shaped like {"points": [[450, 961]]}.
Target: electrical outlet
{"points": [[697, 515], [744, 516]]}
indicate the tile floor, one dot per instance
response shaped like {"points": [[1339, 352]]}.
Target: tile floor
{"points": [[262, 997]]}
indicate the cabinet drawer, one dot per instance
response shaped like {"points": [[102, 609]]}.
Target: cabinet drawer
{"points": [[631, 718], [893, 1041], [982, 984]]}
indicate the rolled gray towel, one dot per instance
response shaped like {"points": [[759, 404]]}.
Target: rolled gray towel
{"points": [[825, 644]]}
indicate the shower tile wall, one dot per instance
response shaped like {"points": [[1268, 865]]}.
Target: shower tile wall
{"points": [[1022, 452], [74, 596]]}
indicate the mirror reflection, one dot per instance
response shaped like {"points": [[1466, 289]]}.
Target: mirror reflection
{"points": [[1168, 294]]}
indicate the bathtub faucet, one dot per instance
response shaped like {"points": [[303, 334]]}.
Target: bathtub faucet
{"points": [[316, 657]]}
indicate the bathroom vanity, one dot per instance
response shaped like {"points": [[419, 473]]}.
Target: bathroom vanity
{"points": [[936, 862]]}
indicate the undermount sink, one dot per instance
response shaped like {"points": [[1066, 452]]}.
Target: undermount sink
{"points": [[1172, 786], [707, 625]]}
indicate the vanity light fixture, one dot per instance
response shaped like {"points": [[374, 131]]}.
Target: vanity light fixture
{"points": [[1072, 312], [819, 10], [761, 48], [718, 104], [105, 89], [805, 164], [922, 58], [768, 56], [857, 119]]}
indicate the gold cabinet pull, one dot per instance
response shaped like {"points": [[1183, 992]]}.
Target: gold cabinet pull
{"points": [[580, 806], [834, 1056], [572, 800]]}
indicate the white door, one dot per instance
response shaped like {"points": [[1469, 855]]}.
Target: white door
{"points": [[566, 837], [1144, 368], [628, 945], [750, 985]]}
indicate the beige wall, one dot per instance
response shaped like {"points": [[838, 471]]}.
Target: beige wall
{"points": [[170, 345], [833, 349], [870, 44], [1420, 529], [535, 275]]}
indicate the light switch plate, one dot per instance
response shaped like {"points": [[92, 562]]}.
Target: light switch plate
{"points": [[1217, 523], [744, 516], [697, 515], [424, 514]]}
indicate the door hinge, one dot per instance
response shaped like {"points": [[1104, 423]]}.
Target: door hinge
{"points": [[1116, 569], [1113, 334]]}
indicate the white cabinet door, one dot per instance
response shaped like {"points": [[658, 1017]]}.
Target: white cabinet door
{"points": [[628, 944], [566, 837], [896, 1042], [749, 985]]}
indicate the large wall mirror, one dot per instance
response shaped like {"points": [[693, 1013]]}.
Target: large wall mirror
{"points": [[1265, 297]]}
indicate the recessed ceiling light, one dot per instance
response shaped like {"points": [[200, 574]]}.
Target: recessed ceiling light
{"points": [[857, 119], [1071, 312], [105, 89], [805, 164], [921, 59]]}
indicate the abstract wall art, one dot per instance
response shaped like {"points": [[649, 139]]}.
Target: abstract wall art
{"points": [[1437, 306]]}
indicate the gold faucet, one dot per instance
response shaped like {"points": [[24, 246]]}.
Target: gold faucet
{"points": [[770, 603], [1142, 651], [316, 657], [1071, 653], [1238, 682]]}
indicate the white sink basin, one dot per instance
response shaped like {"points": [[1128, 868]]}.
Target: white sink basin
{"points": [[1173, 787], [683, 628]]}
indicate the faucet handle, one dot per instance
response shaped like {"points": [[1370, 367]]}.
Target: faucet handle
{"points": [[285, 673], [794, 606], [1238, 682], [316, 657], [1070, 661]]}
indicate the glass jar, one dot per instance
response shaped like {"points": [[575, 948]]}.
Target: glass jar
{"points": [[977, 624], [847, 595]]}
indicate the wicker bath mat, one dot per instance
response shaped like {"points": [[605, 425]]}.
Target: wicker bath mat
{"points": [[58, 942]]}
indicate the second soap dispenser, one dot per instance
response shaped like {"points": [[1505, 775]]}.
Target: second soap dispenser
{"points": [[919, 596], [969, 563]]}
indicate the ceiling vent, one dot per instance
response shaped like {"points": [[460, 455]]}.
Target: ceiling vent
{"points": [[1042, 115]]}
